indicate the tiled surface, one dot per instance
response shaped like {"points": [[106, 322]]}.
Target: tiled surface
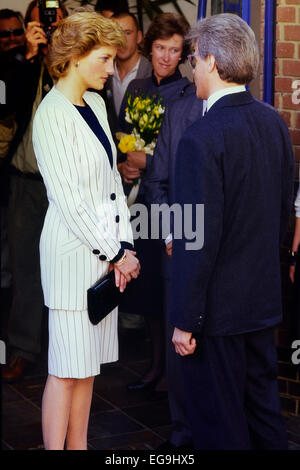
{"points": [[120, 419]]}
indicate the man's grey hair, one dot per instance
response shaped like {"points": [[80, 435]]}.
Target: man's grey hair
{"points": [[232, 42]]}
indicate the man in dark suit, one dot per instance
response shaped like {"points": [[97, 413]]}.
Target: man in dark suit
{"points": [[226, 297], [159, 191]]}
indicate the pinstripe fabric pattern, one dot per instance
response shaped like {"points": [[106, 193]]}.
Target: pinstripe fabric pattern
{"points": [[77, 348], [81, 216], [85, 196]]}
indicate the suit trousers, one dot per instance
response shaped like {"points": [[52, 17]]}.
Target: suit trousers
{"points": [[181, 432], [27, 208], [5, 266], [231, 392]]}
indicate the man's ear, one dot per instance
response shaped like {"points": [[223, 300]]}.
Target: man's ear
{"points": [[139, 37], [211, 63]]}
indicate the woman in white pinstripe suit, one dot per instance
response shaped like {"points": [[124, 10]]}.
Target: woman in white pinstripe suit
{"points": [[86, 230]]}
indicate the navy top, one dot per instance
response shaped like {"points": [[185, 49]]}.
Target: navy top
{"points": [[89, 116]]}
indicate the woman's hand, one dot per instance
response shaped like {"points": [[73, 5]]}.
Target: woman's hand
{"points": [[137, 159], [295, 246], [128, 172], [120, 280], [35, 36], [169, 249], [127, 270]]}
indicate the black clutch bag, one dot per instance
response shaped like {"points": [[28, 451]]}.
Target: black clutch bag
{"points": [[102, 298]]}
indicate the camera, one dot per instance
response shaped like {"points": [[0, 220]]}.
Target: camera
{"points": [[48, 15]]}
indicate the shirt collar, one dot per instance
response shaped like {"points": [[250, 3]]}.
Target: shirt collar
{"points": [[225, 91], [172, 78], [134, 70]]}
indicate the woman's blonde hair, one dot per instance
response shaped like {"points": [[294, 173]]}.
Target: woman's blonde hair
{"points": [[77, 35]]}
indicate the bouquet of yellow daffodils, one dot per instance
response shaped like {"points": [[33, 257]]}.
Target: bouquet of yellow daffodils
{"points": [[146, 115]]}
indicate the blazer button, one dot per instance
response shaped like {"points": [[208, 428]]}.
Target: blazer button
{"points": [[102, 257], [113, 196], [117, 218], [96, 252]]}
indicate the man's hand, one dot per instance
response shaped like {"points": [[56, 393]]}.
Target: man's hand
{"points": [[35, 36], [128, 172], [183, 342], [169, 249], [137, 159], [292, 273]]}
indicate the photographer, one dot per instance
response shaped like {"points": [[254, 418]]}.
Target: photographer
{"points": [[12, 33], [12, 45], [12, 38], [28, 201]]}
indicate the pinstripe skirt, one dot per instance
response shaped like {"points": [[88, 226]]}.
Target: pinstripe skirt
{"points": [[76, 347]]}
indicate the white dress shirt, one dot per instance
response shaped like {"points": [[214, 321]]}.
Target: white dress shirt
{"points": [[120, 86], [225, 91], [297, 202]]}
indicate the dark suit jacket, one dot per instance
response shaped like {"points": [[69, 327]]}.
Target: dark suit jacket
{"points": [[160, 177], [22, 78], [238, 162], [140, 298]]}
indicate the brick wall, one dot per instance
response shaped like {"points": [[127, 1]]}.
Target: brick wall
{"points": [[287, 66], [287, 71]]}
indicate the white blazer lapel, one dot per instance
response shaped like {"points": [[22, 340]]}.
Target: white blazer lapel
{"points": [[80, 121], [93, 101]]}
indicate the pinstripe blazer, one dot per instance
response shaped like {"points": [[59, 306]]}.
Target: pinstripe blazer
{"points": [[87, 215]]}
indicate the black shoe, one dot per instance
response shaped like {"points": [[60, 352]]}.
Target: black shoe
{"points": [[141, 385], [15, 369]]}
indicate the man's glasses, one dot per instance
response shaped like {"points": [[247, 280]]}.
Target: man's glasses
{"points": [[6, 33], [192, 60]]}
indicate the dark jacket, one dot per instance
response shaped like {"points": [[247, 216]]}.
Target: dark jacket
{"points": [[237, 160], [21, 78], [28, 79], [180, 114], [140, 298], [169, 89], [160, 177]]}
